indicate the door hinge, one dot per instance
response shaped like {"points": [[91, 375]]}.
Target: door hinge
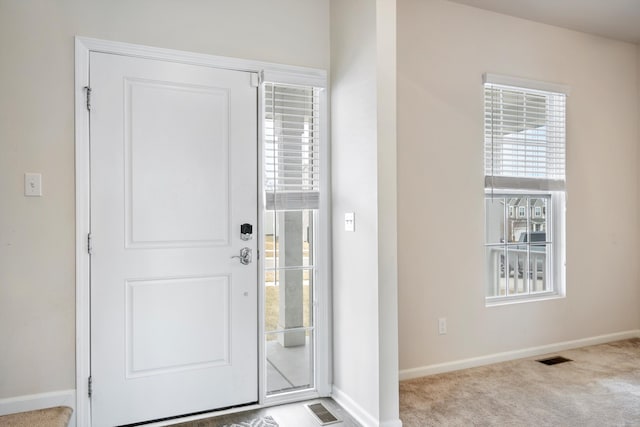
{"points": [[88, 90], [90, 386], [258, 253], [89, 248]]}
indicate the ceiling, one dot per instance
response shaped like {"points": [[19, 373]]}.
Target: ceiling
{"points": [[616, 19]]}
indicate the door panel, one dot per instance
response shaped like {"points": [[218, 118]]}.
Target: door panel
{"points": [[177, 324], [177, 138], [173, 176]]}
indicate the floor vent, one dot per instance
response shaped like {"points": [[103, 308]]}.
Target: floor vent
{"points": [[322, 414], [554, 360]]}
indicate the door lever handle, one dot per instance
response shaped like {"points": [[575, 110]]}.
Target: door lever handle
{"points": [[245, 256]]}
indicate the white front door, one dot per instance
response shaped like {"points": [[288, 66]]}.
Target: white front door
{"points": [[173, 178]]}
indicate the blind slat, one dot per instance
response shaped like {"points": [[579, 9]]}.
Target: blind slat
{"points": [[292, 147], [524, 138]]}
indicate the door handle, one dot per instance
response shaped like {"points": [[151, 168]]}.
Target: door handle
{"points": [[245, 256]]}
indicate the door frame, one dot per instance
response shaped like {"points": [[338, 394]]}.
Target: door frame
{"points": [[273, 72]]}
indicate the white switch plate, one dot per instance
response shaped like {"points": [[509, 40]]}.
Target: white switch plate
{"points": [[349, 221], [442, 326], [33, 184]]}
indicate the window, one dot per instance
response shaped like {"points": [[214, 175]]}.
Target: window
{"points": [[537, 213], [291, 182], [524, 146], [522, 211]]}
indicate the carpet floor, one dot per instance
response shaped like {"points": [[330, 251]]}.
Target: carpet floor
{"points": [[50, 417], [599, 387]]}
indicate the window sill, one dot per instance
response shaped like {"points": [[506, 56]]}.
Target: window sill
{"points": [[496, 302]]}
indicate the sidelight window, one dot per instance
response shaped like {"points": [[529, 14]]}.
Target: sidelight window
{"points": [[291, 182]]}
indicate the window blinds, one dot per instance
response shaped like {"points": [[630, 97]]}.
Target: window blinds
{"points": [[524, 138], [291, 147]]}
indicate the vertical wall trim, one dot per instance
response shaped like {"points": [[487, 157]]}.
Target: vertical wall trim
{"points": [[82, 176], [389, 396]]}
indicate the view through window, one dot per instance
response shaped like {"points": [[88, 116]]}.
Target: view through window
{"points": [[292, 187]]}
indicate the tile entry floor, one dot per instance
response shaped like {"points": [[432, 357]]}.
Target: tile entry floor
{"points": [[295, 415], [287, 415]]}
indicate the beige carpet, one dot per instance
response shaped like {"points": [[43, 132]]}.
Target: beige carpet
{"points": [[50, 417], [600, 387]]}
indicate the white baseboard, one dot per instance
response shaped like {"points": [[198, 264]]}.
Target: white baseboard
{"points": [[473, 362], [40, 401], [355, 410]]}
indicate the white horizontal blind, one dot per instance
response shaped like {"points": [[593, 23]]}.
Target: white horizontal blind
{"points": [[291, 147], [524, 138]]}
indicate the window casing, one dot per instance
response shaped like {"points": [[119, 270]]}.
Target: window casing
{"points": [[524, 142]]}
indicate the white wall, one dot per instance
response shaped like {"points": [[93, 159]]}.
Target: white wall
{"points": [[37, 300], [354, 189], [443, 50], [387, 213], [363, 66]]}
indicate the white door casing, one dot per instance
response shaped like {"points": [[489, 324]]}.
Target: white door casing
{"points": [[173, 176]]}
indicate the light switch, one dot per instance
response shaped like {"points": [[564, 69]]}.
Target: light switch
{"points": [[33, 184], [349, 221]]}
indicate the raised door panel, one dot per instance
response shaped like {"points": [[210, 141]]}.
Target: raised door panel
{"points": [[176, 166]]}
